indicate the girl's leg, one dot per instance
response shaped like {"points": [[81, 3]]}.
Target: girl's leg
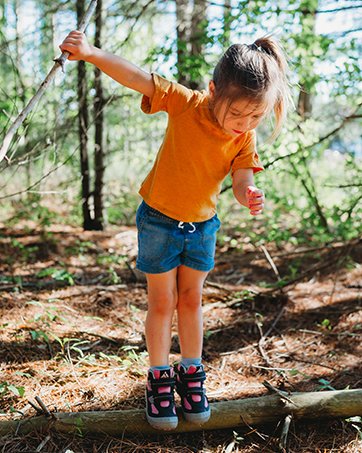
{"points": [[189, 311], [162, 301], [190, 374]]}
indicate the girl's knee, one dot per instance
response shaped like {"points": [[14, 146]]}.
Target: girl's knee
{"points": [[162, 302], [190, 298]]}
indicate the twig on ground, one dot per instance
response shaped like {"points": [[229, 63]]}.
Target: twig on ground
{"points": [[219, 286], [43, 443], [270, 261], [264, 336], [284, 433], [39, 411], [103, 337], [236, 351], [43, 406], [281, 394]]}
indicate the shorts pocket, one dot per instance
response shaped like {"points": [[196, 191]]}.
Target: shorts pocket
{"points": [[208, 233], [141, 216], [153, 240]]}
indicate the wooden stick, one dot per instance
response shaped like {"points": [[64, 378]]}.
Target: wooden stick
{"points": [[224, 414], [59, 63], [270, 261], [284, 434]]}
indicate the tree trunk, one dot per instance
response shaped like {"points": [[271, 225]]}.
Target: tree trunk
{"points": [[99, 104], [182, 29], [83, 123], [191, 25], [225, 414], [197, 39], [227, 21], [308, 21]]}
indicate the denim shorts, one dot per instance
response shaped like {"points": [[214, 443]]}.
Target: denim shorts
{"points": [[165, 243]]}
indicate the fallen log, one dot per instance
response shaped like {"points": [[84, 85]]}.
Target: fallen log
{"points": [[225, 414]]}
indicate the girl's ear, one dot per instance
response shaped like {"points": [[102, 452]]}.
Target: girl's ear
{"points": [[212, 89]]}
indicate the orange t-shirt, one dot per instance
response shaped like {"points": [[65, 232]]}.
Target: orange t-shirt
{"points": [[195, 156]]}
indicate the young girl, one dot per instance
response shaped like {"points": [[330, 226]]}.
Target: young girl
{"points": [[207, 136]]}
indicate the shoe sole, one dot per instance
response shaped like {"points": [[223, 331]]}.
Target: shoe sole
{"points": [[198, 419], [164, 423]]}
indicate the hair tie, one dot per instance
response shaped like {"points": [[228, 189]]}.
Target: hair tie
{"points": [[255, 47]]}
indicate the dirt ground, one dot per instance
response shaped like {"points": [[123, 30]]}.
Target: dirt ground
{"points": [[72, 310]]}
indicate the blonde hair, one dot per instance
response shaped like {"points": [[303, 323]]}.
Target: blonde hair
{"points": [[258, 72]]}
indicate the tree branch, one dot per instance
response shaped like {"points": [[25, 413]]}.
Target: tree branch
{"points": [[59, 63], [344, 8]]}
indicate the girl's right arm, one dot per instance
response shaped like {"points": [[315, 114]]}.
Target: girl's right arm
{"points": [[121, 70]]}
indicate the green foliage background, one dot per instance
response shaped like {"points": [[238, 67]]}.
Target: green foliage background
{"points": [[313, 177]]}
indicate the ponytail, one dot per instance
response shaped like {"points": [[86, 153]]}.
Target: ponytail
{"points": [[258, 71]]}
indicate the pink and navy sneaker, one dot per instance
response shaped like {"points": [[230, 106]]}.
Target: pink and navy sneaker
{"points": [[160, 403], [189, 385]]}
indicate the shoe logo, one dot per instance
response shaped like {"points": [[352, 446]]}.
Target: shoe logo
{"points": [[164, 375]]}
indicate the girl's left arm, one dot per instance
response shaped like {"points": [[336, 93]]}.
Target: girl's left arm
{"points": [[245, 191]]}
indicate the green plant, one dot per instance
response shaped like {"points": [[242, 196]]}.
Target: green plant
{"points": [[61, 275], [70, 344], [325, 385], [80, 248], [111, 277], [326, 324], [356, 422], [6, 388], [50, 313]]}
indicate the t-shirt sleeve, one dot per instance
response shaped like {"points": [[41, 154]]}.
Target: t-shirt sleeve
{"points": [[170, 97], [247, 157]]}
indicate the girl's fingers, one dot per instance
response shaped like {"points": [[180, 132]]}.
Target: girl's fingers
{"points": [[72, 40], [254, 195]]}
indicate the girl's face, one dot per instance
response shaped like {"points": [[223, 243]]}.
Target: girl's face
{"points": [[240, 116]]}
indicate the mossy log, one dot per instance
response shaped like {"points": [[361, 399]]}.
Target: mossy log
{"points": [[225, 414]]}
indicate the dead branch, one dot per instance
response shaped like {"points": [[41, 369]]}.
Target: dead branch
{"points": [[59, 63], [224, 414]]}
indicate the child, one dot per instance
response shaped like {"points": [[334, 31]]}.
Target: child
{"points": [[208, 135]]}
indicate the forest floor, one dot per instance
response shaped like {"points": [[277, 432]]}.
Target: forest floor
{"points": [[72, 311]]}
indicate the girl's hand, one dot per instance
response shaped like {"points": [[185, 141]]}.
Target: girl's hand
{"points": [[255, 199], [77, 45]]}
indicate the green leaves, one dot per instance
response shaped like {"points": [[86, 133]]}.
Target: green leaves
{"points": [[61, 275], [6, 388]]}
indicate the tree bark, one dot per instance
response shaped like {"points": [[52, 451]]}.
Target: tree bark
{"points": [[83, 124], [197, 39], [225, 414], [99, 104], [182, 28], [308, 21], [227, 22]]}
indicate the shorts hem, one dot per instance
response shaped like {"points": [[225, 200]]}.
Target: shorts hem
{"points": [[155, 270], [198, 266]]}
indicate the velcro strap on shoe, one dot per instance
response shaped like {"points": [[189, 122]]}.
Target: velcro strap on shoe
{"points": [[195, 391], [162, 383], [196, 377], [163, 397]]}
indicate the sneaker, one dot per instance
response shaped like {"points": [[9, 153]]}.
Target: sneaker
{"points": [[160, 403], [189, 385]]}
